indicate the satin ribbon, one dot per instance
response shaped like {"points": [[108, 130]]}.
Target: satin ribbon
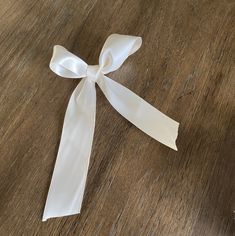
{"points": [[70, 172]]}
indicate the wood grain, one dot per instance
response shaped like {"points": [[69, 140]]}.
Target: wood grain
{"points": [[135, 186]]}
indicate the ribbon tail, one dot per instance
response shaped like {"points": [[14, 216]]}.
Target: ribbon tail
{"points": [[69, 177], [144, 116]]}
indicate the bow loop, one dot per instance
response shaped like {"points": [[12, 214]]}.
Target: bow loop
{"points": [[116, 50], [66, 64]]}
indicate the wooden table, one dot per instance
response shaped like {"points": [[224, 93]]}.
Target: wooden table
{"points": [[135, 186]]}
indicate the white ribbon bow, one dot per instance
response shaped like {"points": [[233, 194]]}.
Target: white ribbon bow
{"points": [[70, 173]]}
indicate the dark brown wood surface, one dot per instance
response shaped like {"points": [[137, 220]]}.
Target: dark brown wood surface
{"points": [[135, 186]]}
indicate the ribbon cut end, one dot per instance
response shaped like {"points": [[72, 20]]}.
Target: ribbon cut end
{"points": [[45, 218]]}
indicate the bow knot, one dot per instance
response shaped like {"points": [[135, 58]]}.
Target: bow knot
{"points": [[94, 73]]}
